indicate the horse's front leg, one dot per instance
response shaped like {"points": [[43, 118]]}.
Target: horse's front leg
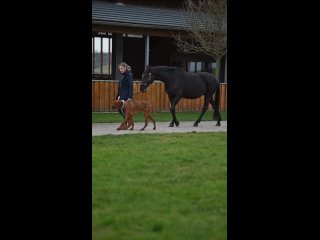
{"points": [[174, 101]]}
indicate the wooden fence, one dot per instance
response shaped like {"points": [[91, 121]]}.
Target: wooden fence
{"points": [[104, 93]]}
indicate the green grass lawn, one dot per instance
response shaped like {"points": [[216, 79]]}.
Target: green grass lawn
{"points": [[115, 117], [159, 186]]}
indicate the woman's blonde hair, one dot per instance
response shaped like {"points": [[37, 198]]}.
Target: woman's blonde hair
{"points": [[123, 64]]}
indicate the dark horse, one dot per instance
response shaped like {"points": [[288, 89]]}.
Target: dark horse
{"points": [[181, 84]]}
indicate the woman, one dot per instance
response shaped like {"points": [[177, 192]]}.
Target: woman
{"points": [[125, 86]]}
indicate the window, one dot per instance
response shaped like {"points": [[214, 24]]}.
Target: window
{"points": [[102, 55], [201, 67], [192, 67]]}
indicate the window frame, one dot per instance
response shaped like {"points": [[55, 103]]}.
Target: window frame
{"points": [[101, 75]]}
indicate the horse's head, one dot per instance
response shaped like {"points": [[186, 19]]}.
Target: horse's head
{"points": [[147, 79]]}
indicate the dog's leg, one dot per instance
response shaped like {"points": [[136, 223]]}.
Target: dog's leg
{"points": [[128, 121], [123, 126], [120, 127], [131, 123], [145, 121], [153, 120]]}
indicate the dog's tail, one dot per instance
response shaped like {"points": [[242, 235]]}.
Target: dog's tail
{"points": [[153, 112]]}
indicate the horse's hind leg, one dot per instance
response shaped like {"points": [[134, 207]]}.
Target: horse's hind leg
{"points": [[216, 112], [204, 109]]}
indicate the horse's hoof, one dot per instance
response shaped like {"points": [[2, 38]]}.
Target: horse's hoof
{"points": [[141, 129], [171, 124], [118, 129], [154, 128], [218, 124], [177, 123], [195, 124], [131, 129]]}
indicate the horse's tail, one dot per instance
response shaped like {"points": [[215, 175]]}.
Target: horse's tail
{"points": [[216, 113]]}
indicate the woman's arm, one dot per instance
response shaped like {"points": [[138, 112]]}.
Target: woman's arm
{"points": [[130, 82]]}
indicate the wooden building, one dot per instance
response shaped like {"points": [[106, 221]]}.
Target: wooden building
{"points": [[140, 32]]}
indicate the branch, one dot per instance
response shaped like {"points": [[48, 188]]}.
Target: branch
{"points": [[206, 28]]}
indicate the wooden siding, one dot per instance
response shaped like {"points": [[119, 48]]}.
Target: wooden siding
{"points": [[104, 92]]}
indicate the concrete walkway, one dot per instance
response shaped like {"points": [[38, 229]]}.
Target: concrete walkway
{"points": [[99, 129]]}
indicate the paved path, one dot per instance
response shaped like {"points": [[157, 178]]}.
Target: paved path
{"points": [[99, 129]]}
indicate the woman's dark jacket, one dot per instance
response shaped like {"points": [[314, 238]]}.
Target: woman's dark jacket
{"points": [[125, 86]]}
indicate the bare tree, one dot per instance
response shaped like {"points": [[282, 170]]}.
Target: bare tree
{"points": [[205, 29]]}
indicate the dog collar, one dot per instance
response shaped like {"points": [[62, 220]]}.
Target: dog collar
{"points": [[122, 104]]}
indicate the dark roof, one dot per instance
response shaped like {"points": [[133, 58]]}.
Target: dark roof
{"points": [[136, 16]]}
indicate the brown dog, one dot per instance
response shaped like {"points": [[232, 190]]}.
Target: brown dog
{"points": [[131, 108]]}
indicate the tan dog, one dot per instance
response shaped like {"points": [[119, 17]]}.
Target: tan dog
{"points": [[131, 108]]}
